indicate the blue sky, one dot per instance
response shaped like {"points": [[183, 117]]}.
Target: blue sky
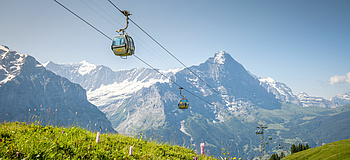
{"points": [[300, 43]]}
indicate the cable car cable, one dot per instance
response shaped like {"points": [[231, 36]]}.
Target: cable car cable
{"points": [[105, 12], [169, 52], [139, 39], [172, 80], [134, 55], [174, 57], [82, 19], [97, 12]]}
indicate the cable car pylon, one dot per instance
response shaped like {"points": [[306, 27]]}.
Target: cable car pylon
{"points": [[262, 143]]}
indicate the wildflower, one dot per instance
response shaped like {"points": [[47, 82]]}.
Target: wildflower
{"points": [[130, 151], [17, 154], [202, 148], [195, 158], [63, 132], [98, 137]]}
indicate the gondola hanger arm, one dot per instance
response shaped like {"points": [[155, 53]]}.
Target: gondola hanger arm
{"points": [[126, 14]]}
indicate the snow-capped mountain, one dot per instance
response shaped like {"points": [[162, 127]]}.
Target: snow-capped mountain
{"points": [[27, 89], [306, 101], [140, 99], [107, 88], [280, 90], [341, 99], [285, 94], [92, 77]]}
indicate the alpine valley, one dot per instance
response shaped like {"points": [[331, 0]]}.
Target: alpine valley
{"points": [[140, 100]]}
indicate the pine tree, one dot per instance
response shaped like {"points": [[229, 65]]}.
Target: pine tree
{"points": [[307, 146], [293, 149], [274, 157], [303, 147], [299, 148]]}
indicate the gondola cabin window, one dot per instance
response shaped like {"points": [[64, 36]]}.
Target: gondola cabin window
{"points": [[118, 41]]}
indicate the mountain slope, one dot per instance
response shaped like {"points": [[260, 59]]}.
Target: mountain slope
{"points": [[335, 150], [280, 90], [140, 100], [232, 80], [29, 92], [77, 143]]}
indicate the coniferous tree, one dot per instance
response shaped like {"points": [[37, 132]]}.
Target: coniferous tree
{"points": [[282, 155], [274, 157], [307, 146], [299, 148], [293, 149], [303, 147]]}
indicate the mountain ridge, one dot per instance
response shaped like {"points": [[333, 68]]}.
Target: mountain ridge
{"points": [[285, 94], [32, 89], [141, 100]]}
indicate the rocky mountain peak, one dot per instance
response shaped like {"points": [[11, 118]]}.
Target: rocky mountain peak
{"points": [[11, 63], [221, 56]]}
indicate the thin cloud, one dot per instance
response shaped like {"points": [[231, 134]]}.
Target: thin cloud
{"points": [[340, 79]]}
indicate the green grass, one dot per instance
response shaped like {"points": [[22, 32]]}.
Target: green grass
{"points": [[335, 150], [38, 142]]}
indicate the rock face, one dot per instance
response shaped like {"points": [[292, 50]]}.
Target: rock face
{"points": [[231, 79], [111, 90], [280, 90], [30, 93]]}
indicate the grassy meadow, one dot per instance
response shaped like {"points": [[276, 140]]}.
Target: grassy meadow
{"points": [[30, 141], [335, 150]]}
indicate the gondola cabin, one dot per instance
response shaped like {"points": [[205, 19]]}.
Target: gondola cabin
{"points": [[259, 132], [123, 46], [183, 103]]}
